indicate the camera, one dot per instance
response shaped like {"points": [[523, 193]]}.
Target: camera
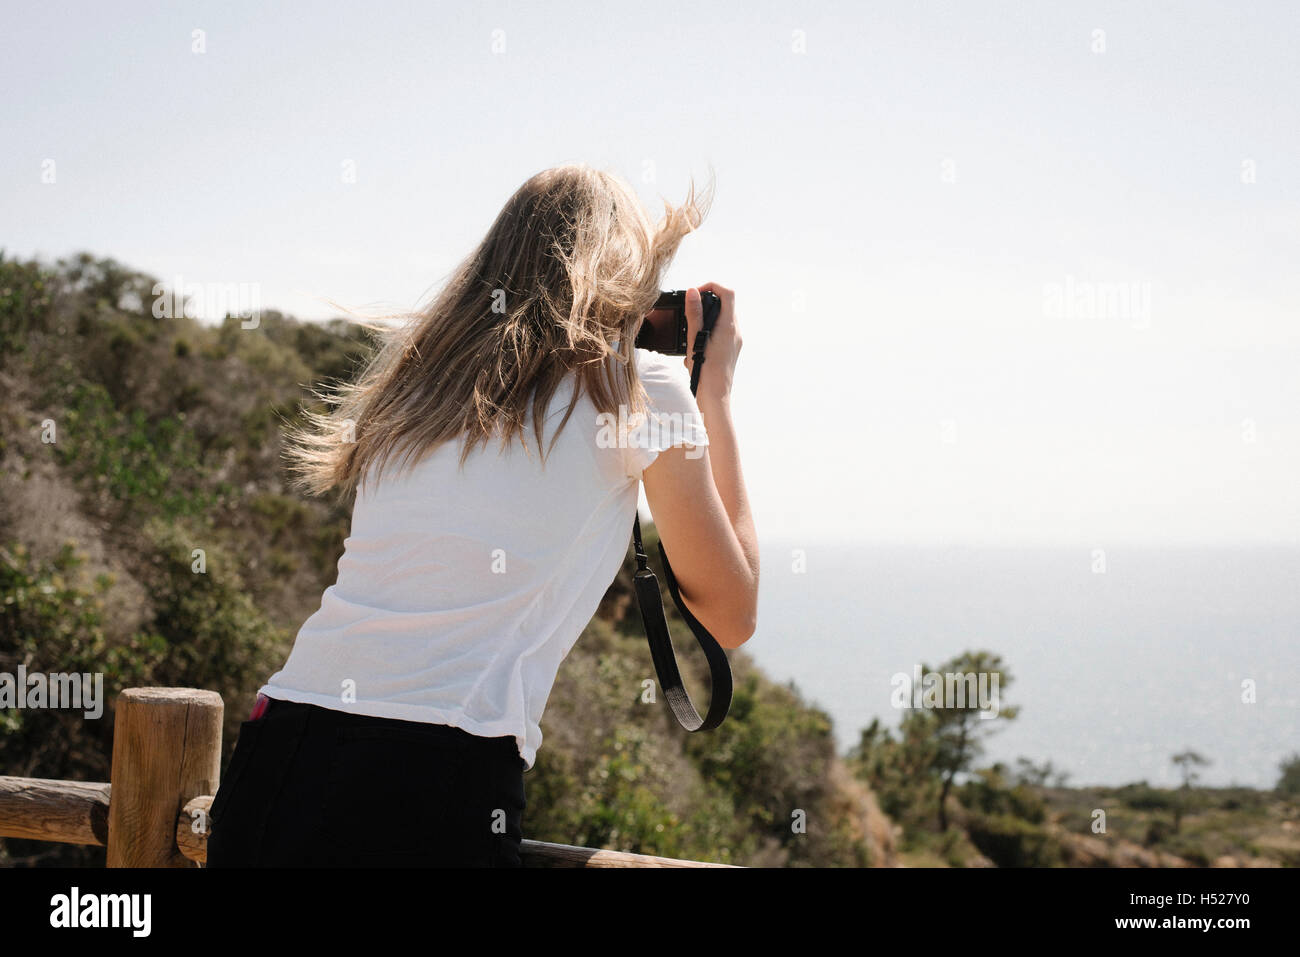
{"points": [[664, 327]]}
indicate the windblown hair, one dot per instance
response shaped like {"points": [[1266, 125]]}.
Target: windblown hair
{"points": [[558, 286]]}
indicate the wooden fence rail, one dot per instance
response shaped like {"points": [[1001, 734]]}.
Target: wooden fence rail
{"points": [[166, 764]]}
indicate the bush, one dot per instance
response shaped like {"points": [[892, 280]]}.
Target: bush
{"points": [[214, 634], [51, 620], [145, 465], [1289, 782], [1011, 842], [1141, 797], [1158, 831], [988, 794], [26, 295]]}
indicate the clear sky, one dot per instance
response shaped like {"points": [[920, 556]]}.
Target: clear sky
{"points": [[1003, 279]]}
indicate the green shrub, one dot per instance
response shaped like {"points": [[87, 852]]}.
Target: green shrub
{"points": [[52, 620], [1009, 841], [1141, 797], [146, 465], [987, 793], [1289, 782], [26, 297]]}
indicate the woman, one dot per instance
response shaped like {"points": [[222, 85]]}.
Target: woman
{"points": [[400, 727]]}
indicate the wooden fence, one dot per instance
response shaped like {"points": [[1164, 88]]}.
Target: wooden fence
{"points": [[166, 765]]}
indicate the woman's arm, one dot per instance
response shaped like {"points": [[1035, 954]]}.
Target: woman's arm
{"points": [[699, 502]]}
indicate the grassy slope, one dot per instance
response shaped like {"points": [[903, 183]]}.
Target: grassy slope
{"points": [[1221, 827]]}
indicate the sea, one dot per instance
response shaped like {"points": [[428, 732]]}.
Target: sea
{"points": [[1115, 659]]}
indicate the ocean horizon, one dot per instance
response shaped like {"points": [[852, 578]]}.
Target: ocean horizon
{"points": [[1116, 664]]}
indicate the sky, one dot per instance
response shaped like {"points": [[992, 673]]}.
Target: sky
{"points": [[1007, 274]]}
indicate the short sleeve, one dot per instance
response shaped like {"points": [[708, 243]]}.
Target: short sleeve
{"points": [[673, 416]]}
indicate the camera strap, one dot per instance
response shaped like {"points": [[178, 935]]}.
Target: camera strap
{"points": [[650, 600]]}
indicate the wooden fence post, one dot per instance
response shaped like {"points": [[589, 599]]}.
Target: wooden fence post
{"points": [[166, 750]]}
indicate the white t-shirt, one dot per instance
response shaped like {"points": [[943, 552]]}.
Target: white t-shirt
{"points": [[459, 593]]}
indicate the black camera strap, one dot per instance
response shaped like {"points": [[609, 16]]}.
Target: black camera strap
{"points": [[656, 624]]}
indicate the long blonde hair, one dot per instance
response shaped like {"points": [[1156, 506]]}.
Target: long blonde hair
{"points": [[557, 286]]}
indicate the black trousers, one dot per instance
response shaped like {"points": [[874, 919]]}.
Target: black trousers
{"points": [[315, 787]]}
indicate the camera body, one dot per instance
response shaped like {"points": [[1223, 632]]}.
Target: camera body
{"points": [[664, 327]]}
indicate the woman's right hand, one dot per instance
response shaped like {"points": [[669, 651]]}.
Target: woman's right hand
{"points": [[699, 502], [723, 348]]}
